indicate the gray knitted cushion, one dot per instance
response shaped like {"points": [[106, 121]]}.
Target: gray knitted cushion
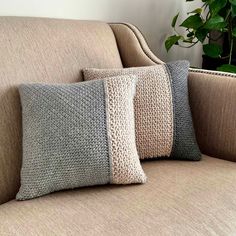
{"points": [[78, 135], [163, 119]]}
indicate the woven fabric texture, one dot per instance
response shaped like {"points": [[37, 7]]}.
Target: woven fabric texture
{"points": [[180, 198], [212, 101], [163, 121], [65, 136]]}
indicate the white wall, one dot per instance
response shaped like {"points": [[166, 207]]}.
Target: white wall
{"points": [[153, 17]]}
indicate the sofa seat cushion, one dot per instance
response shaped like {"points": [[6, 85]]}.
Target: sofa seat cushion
{"points": [[180, 198]]}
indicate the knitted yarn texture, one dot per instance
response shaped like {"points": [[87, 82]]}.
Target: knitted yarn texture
{"points": [[163, 120], [77, 135]]}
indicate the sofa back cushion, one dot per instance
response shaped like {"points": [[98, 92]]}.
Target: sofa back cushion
{"points": [[42, 50]]}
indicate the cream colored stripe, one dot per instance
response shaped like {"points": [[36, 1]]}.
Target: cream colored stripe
{"points": [[125, 164], [154, 113]]}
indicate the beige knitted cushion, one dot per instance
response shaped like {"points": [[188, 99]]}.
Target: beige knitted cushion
{"points": [[162, 114]]}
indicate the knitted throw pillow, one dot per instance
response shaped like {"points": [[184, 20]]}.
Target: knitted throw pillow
{"points": [[78, 135], [163, 119]]}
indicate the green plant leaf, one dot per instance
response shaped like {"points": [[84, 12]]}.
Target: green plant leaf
{"points": [[227, 68], [171, 41], [197, 11], [216, 23], [212, 50], [233, 10], [193, 22], [201, 34], [173, 23], [233, 2], [234, 32], [216, 6]]}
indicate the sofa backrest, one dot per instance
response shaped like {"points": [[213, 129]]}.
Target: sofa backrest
{"points": [[42, 50]]}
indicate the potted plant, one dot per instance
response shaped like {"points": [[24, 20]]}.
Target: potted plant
{"points": [[213, 25]]}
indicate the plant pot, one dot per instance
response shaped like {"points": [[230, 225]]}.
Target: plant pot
{"points": [[212, 63], [209, 63]]}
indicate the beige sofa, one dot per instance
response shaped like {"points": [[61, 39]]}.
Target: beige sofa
{"points": [[180, 197]]}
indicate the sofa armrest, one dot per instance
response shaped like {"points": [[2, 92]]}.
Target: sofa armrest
{"points": [[213, 104], [133, 48]]}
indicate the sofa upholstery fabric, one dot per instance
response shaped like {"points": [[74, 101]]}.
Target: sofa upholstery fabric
{"points": [[133, 47], [163, 121], [180, 198], [212, 99], [42, 50]]}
